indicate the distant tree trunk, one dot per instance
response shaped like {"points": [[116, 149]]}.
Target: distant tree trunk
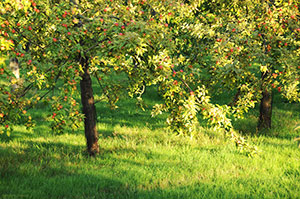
{"points": [[88, 109], [265, 112], [235, 98], [14, 67]]}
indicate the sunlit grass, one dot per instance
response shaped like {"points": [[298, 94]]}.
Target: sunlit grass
{"points": [[140, 159]]}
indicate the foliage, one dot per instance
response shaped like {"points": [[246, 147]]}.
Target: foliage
{"points": [[190, 49]]}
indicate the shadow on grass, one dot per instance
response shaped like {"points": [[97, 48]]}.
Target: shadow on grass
{"points": [[55, 170], [287, 145], [41, 130], [129, 115], [5, 138], [285, 117]]}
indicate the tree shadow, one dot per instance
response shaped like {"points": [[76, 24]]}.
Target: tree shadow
{"points": [[38, 172], [129, 114], [5, 138], [285, 117]]}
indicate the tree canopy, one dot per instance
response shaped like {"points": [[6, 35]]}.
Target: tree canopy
{"points": [[189, 49]]}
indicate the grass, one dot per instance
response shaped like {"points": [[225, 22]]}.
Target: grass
{"points": [[139, 159]]}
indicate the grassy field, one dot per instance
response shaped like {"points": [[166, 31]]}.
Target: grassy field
{"points": [[139, 159]]}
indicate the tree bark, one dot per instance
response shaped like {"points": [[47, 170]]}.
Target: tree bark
{"points": [[14, 66], [88, 109], [265, 115], [265, 112]]}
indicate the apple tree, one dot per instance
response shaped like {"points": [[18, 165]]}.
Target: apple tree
{"points": [[254, 46], [63, 44]]}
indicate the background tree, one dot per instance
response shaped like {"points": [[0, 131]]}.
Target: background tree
{"points": [[253, 43]]}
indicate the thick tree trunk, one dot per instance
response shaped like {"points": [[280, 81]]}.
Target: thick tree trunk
{"points": [[265, 115], [88, 109]]}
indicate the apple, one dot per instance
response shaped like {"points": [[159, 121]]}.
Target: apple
{"points": [[279, 89]]}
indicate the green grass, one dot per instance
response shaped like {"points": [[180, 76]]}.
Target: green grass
{"points": [[139, 159]]}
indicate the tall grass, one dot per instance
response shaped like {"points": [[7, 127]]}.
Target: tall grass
{"points": [[140, 159]]}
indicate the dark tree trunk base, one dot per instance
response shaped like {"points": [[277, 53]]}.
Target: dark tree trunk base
{"points": [[265, 115], [88, 109]]}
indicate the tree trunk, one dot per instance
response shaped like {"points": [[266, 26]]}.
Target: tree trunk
{"points": [[235, 98], [265, 115], [88, 109], [265, 112], [14, 66]]}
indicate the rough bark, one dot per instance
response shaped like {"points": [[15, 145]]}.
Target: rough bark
{"points": [[265, 114], [88, 109]]}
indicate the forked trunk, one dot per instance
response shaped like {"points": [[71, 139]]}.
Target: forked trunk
{"points": [[265, 114], [88, 109]]}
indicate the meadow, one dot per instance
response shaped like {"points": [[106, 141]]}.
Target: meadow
{"points": [[139, 158]]}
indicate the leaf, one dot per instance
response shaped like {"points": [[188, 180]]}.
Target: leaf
{"points": [[263, 69], [297, 127]]}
